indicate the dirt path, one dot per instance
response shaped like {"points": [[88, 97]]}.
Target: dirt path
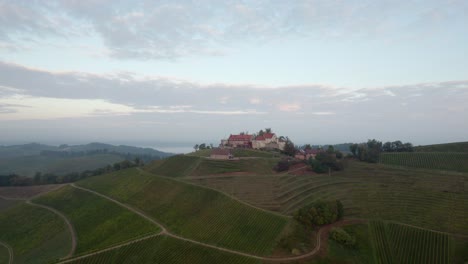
{"points": [[68, 223], [167, 233], [110, 248], [10, 252], [136, 211]]}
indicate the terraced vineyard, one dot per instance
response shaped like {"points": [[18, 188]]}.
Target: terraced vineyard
{"points": [[430, 199], [164, 249], [35, 234], [98, 222], [428, 160], [250, 166], [176, 166], [395, 243], [194, 212]]}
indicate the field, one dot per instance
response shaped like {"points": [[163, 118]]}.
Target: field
{"points": [[35, 234], [5, 204], [29, 165], [26, 192], [195, 212], [430, 199], [448, 147], [428, 160], [176, 166], [4, 255], [163, 249], [239, 153], [98, 222], [251, 166], [394, 243]]}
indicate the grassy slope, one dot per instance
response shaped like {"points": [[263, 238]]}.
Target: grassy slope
{"points": [[239, 153], [4, 255], [428, 160], [448, 147], [98, 222], [163, 249], [5, 204], [29, 165], [176, 166], [194, 212], [35, 234], [255, 166]]}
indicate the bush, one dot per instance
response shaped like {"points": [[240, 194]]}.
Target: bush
{"points": [[342, 237], [283, 165], [319, 213]]}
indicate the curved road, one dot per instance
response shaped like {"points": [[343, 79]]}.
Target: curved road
{"points": [[10, 251], [166, 232], [69, 224]]}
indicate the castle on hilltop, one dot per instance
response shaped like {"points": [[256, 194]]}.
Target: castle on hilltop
{"points": [[264, 140]]}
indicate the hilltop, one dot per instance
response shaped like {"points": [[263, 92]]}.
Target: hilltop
{"points": [[27, 159]]}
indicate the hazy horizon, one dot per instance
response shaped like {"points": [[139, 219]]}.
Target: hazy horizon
{"points": [[319, 72]]}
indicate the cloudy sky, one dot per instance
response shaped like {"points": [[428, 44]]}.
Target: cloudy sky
{"points": [[148, 72]]}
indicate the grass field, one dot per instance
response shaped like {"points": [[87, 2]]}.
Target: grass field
{"points": [[195, 212], [5, 204], [426, 198], [98, 222], [253, 166], [394, 243], [176, 166], [29, 165], [26, 192], [163, 249], [448, 147], [4, 255], [428, 160], [35, 234], [239, 153]]}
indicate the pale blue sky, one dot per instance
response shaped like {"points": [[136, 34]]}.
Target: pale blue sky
{"points": [[148, 61]]}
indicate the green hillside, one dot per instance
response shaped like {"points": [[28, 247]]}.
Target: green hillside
{"points": [[4, 255], [254, 166], [428, 160], [195, 212], [448, 147], [98, 222], [167, 250], [35, 234], [29, 165], [239, 153], [176, 166], [5, 204]]}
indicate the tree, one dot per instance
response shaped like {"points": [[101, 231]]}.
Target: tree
{"points": [[330, 149], [282, 165], [354, 148], [267, 130], [202, 146], [289, 148], [196, 147], [307, 147], [318, 213]]}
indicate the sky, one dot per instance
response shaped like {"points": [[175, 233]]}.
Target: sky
{"points": [[156, 73]]}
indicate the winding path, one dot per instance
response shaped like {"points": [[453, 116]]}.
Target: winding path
{"points": [[167, 233], [10, 251], [67, 222]]}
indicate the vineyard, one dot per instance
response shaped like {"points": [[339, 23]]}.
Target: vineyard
{"points": [[250, 166], [176, 166], [430, 199], [36, 235], [98, 222], [428, 160], [448, 147], [4, 255], [164, 249], [395, 243], [195, 212]]}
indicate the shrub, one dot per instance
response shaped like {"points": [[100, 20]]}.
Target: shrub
{"points": [[342, 237], [319, 213]]}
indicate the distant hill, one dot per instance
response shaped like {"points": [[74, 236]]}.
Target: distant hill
{"points": [[30, 158], [447, 147]]}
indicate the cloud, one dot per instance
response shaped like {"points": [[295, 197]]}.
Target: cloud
{"points": [[171, 29], [391, 113], [289, 107]]}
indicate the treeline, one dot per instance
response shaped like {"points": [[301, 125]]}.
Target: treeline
{"points": [[71, 154], [371, 150], [50, 178], [325, 161]]}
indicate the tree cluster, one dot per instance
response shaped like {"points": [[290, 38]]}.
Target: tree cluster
{"points": [[320, 213], [397, 146], [369, 151], [202, 146], [50, 178], [327, 160], [342, 237]]}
